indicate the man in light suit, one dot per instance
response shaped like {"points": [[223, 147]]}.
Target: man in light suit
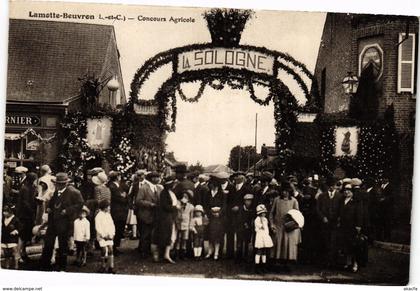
{"points": [[63, 209], [146, 200]]}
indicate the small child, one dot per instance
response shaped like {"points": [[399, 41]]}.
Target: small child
{"points": [[263, 240], [216, 232], [105, 232], [81, 236], [10, 238], [198, 225], [246, 216], [185, 215]]}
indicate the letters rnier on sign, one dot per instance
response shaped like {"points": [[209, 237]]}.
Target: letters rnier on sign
{"points": [[214, 58]]}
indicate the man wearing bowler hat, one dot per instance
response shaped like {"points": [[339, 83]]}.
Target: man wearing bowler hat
{"points": [[329, 208], [62, 211]]}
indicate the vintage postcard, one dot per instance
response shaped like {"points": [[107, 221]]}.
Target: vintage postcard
{"points": [[209, 142]]}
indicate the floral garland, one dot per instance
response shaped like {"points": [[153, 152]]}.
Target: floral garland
{"points": [[37, 135], [75, 151], [264, 102], [194, 99], [226, 26], [377, 148], [124, 154], [285, 117]]}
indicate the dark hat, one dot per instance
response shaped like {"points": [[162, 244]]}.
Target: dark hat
{"points": [[31, 176], [181, 168], [61, 178], [153, 174], [193, 175], [331, 181], [292, 179], [113, 174], [7, 208], [170, 180], [237, 174], [96, 170], [285, 186], [214, 181], [104, 204], [266, 176]]}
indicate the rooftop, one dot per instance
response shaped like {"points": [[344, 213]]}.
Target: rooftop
{"points": [[46, 58]]}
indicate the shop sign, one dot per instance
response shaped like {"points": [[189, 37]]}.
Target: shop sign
{"points": [[217, 58], [23, 120]]}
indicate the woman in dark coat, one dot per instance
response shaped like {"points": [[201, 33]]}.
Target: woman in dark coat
{"points": [[165, 234], [119, 208], [351, 221], [217, 211], [26, 211]]}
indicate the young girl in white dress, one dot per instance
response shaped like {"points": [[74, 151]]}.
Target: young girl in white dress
{"points": [[263, 240], [105, 232]]}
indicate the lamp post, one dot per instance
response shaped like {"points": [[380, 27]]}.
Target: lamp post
{"points": [[350, 83], [112, 86]]}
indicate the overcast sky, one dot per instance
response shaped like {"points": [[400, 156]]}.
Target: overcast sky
{"points": [[207, 130]]}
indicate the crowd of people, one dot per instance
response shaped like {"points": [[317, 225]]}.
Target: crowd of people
{"points": [[192, 216]]}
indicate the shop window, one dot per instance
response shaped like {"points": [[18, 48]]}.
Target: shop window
{"points": [[20, 149], [406, 62], [51, 122]]}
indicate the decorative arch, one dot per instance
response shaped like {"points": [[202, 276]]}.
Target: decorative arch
{"points": [[225, 27]]}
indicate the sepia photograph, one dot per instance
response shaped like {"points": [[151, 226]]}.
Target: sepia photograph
{"points": [[224, 143]]}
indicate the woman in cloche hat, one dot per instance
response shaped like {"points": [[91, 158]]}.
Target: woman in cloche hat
{"points": [[286, 241], [102, 191], [165, 233], [217, 206]]}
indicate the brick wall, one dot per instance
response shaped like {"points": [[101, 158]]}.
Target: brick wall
{"points": [[342, 38], [335, 57], [404, 103]]}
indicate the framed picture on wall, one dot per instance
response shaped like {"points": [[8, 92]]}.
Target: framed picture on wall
{"points": [[99, 132], [346, 141]]}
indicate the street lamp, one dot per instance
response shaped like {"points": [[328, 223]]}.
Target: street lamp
{"points": [[112, 86], [350, 83]]}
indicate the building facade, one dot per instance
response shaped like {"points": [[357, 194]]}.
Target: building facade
{"points": [[385, 47], [46, 64]]}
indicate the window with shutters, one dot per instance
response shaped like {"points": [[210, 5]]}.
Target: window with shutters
{"points": [[406, 62]]}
